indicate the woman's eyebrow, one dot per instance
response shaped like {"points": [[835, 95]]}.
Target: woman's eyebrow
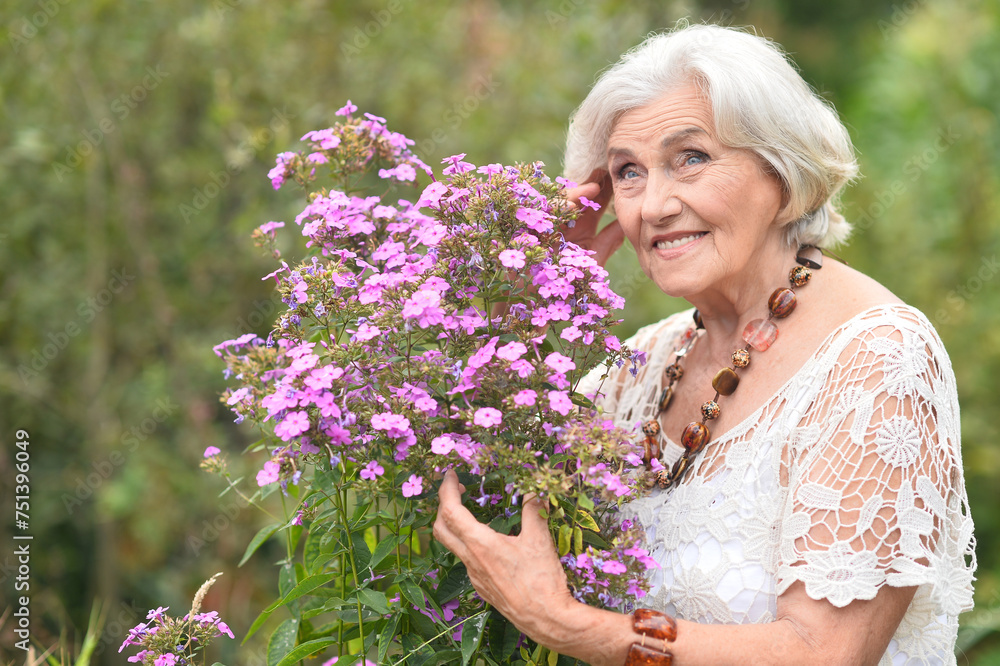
{"points": [[668, 141]]}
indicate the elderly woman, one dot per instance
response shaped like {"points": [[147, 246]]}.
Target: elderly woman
{"points": [[812, 506]]}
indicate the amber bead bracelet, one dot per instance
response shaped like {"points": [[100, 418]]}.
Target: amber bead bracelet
{"points": [[759, 335], [658, 628]]}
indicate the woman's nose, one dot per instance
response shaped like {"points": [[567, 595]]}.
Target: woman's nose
{"points": [[660, 203]]}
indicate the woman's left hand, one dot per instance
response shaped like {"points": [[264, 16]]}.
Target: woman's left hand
{"points": [[518, 575]]}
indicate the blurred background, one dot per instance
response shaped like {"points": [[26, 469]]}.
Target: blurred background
{"points": [[134, 146]]}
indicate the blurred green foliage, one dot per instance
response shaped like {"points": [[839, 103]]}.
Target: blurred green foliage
{"points": [[133, 151]]}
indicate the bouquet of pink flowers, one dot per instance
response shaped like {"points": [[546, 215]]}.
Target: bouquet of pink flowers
{"points": [[449, 332]]}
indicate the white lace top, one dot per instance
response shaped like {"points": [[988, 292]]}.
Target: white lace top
{"points": [[849, 478]]}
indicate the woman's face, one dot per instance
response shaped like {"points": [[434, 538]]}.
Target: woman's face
{"points": [[700, 214]]}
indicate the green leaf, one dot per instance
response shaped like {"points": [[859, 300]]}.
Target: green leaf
{"points": [[258, 540], [312, 550], [443, 657], [412, 592], [362, 556], [565, 535], [472, 635], [305, 587], [577, 540], [553, 659], [282, 641], [385, 638], [374, 599], [454, 584], [306, 649], [286, 579], [585, 502], [382, 550], [586, 521]]}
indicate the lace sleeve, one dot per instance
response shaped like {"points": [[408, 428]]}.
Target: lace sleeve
{"points": [[876, 494]]}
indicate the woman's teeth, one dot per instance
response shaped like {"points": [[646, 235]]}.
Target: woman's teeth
{"points": [[667, 245]]}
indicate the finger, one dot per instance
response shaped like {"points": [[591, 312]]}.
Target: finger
{"points": [[534, 523]]}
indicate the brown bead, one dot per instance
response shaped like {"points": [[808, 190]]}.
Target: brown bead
{"points": [[651, 428], [741, 358], [650, 451], [662, 479], [726, 381], [674, 372], [665, 398], [639, 655], [760, 334], [654, 624], [810, 256], [697, 320], [782, 302], [679, 469], [710, 410], [799, 275], [695, 436]]}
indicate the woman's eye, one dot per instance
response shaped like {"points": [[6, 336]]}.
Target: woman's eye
{"points": [[694, 158], [628, 172]]}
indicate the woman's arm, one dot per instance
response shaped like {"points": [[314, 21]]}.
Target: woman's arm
{"points": [[522, 578]]}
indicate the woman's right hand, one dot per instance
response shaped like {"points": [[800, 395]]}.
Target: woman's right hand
{"points": [[586, 232]]}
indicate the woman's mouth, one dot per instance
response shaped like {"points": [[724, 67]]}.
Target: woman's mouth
{"points": [[684, 240]]}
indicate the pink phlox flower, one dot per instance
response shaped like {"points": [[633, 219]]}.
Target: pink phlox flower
{"points": [[431, 196], [512, 258], [559, 288], [139, 658], [584, 201], [241, 341], [401, 172], [325, 139], [294, 425], [423, 306], [158, 613], [635, 590], [390, 250], [633, 459], [210, 452], [223, 627], [524, 239], [558, 380], [558, 311], [270, 227], [327, 404], [535, 220], [611, 343], [372, 471], [560, 402], [448, 609], [483, 354], [559, 363], [307, 447], [487, 417], [323, 377], [525, 398], [613, 567], [366, 332], [655, 465], [442, 445], [566, 182], [413, 486], [318, 158], [614, 483], [570, 333], [303, 363], [394, 425], [168, 659], [347, 109], [512, 351], [523, 368], [238, 395], [540, 316], [301, 292], [456, 165], [280, 170], [283, 398]]}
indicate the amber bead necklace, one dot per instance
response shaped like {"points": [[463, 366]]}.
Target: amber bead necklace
{"points": [[759, 334]]}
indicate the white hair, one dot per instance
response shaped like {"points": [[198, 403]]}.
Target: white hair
{"points": [[759, 102]]}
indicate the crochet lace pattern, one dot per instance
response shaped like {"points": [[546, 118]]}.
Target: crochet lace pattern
{"points": [[847, 479]]}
